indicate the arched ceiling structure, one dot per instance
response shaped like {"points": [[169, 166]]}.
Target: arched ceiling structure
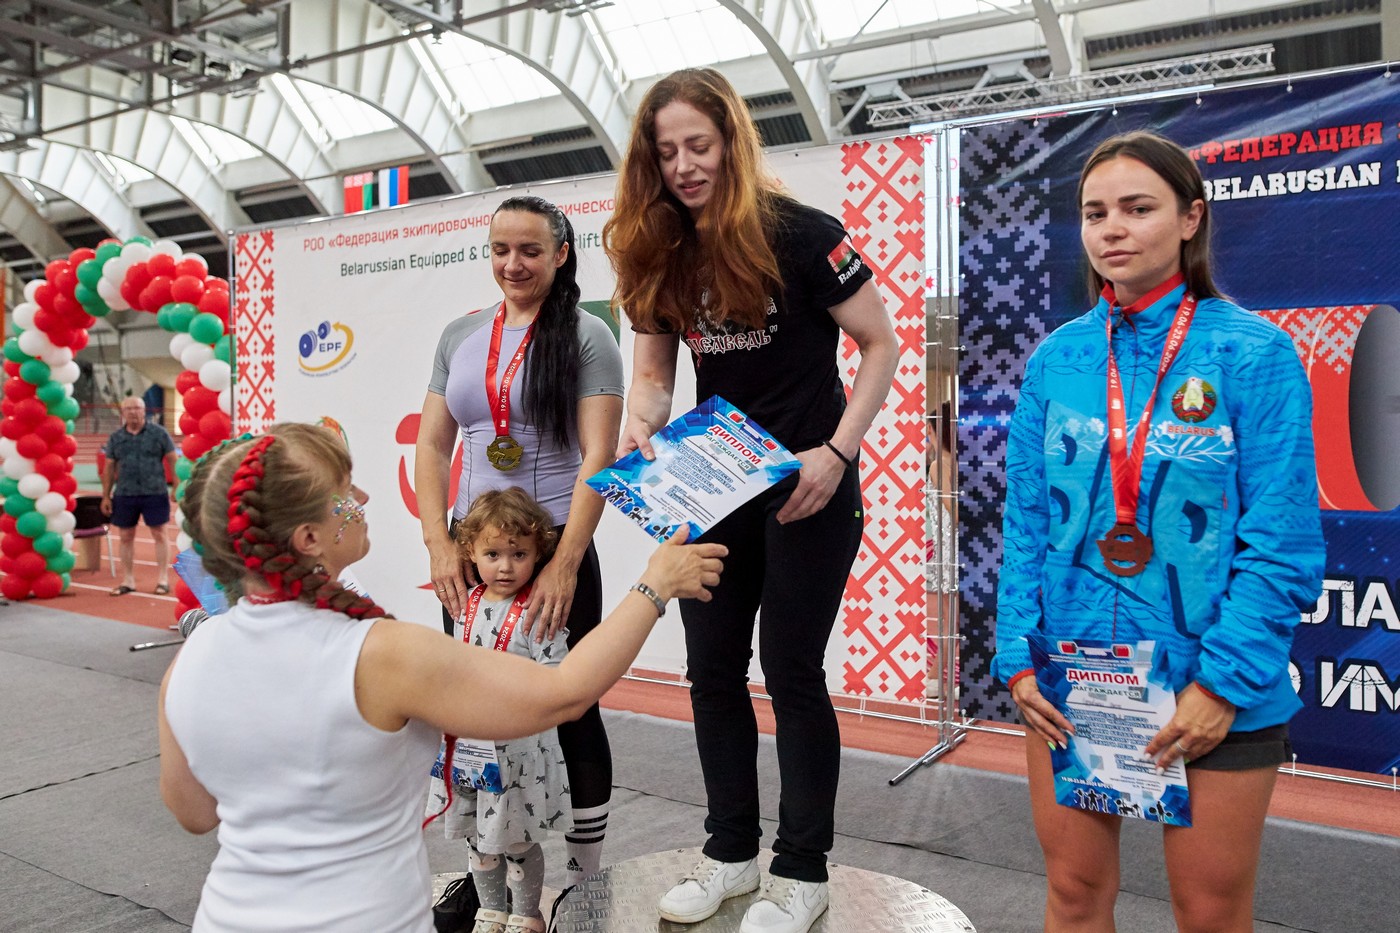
{"points": [[252, 111]]}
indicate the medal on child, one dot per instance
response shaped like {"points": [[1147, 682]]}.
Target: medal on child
{"points": [[1126, 549], [504, 453]]}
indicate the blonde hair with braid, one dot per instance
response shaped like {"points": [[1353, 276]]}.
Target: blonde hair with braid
{"points": [[303, 467]]}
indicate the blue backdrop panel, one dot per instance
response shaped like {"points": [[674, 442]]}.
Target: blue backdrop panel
{"points": [[1304, 179]]}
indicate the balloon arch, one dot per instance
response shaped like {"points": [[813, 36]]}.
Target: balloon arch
{"points": [[38, 410]]}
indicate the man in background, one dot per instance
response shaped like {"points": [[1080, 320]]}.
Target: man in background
{"points": [[134, 487]]}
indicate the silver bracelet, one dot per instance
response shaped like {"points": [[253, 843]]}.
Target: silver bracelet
{"points": [[651, 594]]}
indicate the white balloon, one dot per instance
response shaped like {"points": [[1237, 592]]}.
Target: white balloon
{"points": [[58, 356], [67, 374], [179, 344], [196, 257], [136, 252], [51, 503], [114, 271], [62, 523], [183, 542], [34, 485], [31, 287], [24, 314], [68, 541], [226, 401], [7, 448], [35, 342], [196, 355], [215, 375], [168, 247], [18, 467]]}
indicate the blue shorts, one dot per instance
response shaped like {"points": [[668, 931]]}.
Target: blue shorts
{"points": [[153, 510]]}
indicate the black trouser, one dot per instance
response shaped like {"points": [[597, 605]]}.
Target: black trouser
{"points": [[794, 576], [584, 741]]}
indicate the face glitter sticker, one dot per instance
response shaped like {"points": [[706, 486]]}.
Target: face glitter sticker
{"points": [[348, 510]]}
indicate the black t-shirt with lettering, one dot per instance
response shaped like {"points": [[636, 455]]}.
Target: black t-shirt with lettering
{"points": [[784, 376]]}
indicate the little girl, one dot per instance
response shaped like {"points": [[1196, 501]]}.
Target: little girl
{"points": [[507, 535]]}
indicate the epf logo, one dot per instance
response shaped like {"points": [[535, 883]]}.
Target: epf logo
{"points": [[326, 349]]}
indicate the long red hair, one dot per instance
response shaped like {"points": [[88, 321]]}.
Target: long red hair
{"points": [[667, 263]]}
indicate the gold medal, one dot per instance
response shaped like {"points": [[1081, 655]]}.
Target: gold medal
{"points": [[505, 453]]}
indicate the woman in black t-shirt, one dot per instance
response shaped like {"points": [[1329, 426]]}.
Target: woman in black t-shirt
{"points": [[709, 251]]}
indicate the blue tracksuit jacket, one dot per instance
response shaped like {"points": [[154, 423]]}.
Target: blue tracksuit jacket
{"points": [[1228, 494]]}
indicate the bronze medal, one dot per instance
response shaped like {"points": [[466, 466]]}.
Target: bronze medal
{"points": [[1125, 549], [505, 453]]}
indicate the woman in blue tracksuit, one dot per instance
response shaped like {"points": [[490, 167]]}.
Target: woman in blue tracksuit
{"points": [[1200, 532]]}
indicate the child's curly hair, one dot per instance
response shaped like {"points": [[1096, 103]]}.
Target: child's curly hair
{"points": [[515, 513]]}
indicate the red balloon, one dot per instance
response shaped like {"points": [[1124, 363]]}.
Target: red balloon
{"points": [[15, 545], [31, 446], [61, 336], [156, 295], [215, 282], [215, 426], [64, 485], [69, 504], [51, 428], [138, 276], [131, 291], [65, 446], [188, 379], [80, 255], [47, 586], [29, 564], [110, 239], [52, 466], [7, 408], [31, 411], [194, 446], [11, 369], [46, 319], [7, 566], [18, 390], [14, 587], [12, 427], [192, 267], [55, 268], [187, 288], [189, 424], [7, 524], [66, 282], [43, 295], [79, 341], [67, 307], [215, 302], [161, 264], [199, 401], [183, 593]]}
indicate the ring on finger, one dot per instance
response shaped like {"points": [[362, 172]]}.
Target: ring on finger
{"points": [[1181, 748]]}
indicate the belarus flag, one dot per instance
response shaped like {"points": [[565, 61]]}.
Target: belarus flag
{"points": [[359, 192], [393, 186]]}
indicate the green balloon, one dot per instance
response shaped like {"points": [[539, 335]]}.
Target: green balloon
{"points": [[108, 251], [180, 316], [34, 372], [31, 524], [68, 409], [67, 582], [18, 505], [206, 328], [8, 486], [48, 544], [13, 353], [89, 273], [180, 489], [183, 468], [62, 562], [51, 392], [223, 350], [98, 308], [163, 316], [70, 427], [140, 239]]}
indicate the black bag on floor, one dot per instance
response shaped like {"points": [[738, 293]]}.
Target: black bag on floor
{"points": [[455, 911]]}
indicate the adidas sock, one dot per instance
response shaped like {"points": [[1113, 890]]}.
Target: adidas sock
{"points": [[584, 843], [489, 873], [525, 875]]}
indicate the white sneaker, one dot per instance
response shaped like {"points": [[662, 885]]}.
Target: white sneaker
{"points": [[490, 921], [786, 906], [709, 884]]}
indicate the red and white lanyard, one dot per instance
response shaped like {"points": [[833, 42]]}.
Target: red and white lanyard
{"points": [[517, 609], [499, 401]]}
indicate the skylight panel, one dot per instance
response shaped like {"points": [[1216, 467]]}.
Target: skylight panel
{"points": [[841, 19], [652, 39], [342, 115], [482, 77]]}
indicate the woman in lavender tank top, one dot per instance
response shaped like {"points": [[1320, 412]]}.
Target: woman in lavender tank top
{"points": [[532, 386]]}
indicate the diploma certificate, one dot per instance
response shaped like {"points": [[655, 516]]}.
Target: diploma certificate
{"points": [[709, 461], [1108, 691]]}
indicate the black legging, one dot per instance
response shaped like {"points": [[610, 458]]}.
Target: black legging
{"points": [[584, 741]]}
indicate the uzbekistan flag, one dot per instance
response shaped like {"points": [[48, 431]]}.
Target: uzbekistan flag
{"points": [[393, 186], [842, 256], [359, 192]]}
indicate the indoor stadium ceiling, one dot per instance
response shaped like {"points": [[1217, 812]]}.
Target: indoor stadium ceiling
{"points": [[190, 118]]}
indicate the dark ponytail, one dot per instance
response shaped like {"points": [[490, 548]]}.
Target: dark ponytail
{"points": [[551, 370]]}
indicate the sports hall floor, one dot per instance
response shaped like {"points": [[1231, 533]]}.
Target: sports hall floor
{"points": [[85, 844]]}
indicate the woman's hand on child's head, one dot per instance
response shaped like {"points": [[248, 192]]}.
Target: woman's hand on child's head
{"points": [[685, 571]]}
